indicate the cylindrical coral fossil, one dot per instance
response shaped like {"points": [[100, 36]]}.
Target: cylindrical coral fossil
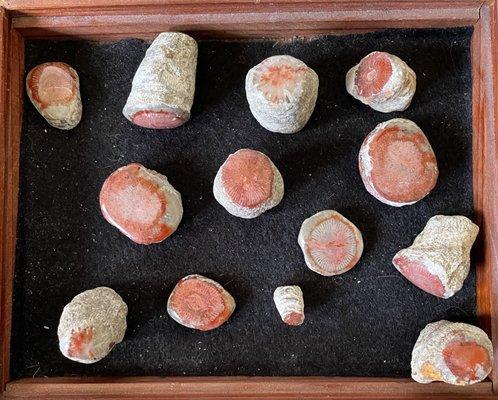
{"points": [[163, 88], [290, 304], [282, 92], [331, 244], [141, 203], [200, 303]]}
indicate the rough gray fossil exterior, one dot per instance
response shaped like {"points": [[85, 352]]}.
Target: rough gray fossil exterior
{"points": [[290, 304], [92, 324], [63, 114], [433, 359], [397, 93], [165, 79], [441, 252], [282, 92], [222, 197]]}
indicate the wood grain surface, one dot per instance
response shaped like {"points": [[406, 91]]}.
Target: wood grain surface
{"points": [[242, 388], [95, 20], [485, 171], [11, 74]]}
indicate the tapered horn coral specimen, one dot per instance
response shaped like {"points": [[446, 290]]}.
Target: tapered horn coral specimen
{"points": [[163, 88], [290, 304], [438, 261]]}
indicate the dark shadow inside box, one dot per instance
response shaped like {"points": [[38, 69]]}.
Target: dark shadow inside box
{"points": [[362, 323]]}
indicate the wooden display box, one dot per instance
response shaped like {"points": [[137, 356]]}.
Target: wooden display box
{"points": [[115, 19]]}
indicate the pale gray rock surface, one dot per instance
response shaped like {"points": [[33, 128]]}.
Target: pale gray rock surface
{"points": [[92, 324], [290, 304], [396, 94], [165, 79], [451, 352], [282, 92], [438, 261]]}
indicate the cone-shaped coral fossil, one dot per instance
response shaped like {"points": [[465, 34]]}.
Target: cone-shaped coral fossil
{"points": [[163, 88], [438, 261]]}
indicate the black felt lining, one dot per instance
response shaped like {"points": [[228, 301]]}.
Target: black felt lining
{"points": [[362, 323]]}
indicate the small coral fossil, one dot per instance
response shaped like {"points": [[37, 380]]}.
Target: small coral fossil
{"points": [[397, 163], [141, 203], [452, 352], [248, 184], [282, 92], [290, 304], [200, 303], [91, 324], [54, 90], [382, 81], [438, 261], [331, 244], [163, 88]]}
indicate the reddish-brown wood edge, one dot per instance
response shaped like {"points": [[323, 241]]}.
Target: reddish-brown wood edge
{"points": [[485, 171], [105, 19], [11, 75], [239, 19]]}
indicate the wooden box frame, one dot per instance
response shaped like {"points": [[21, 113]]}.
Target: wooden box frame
{"points": [[114, 19]]}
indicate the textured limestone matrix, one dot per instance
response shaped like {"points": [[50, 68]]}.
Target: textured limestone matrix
{"points": [[397, 163], [282, 92], [200, 303], [91, 324], [248, 184], [382, 81], [163, 88], [290, 304], [54, 90], [438, 261], [452, 352]]}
